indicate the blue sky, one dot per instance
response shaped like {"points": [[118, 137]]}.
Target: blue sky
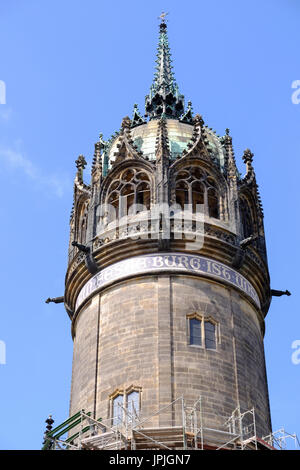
{"points": [[74, 69]]}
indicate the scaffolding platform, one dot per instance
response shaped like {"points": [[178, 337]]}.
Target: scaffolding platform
{"points": [[238, 432]]}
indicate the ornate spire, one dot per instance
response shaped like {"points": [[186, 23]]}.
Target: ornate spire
{"points": [[164, 98]]}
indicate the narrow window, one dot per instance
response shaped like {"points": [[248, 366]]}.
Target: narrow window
{"points": [[133, 404], [127, 200], [210, 335], [182, 194], [195, 332], [198, 196], [213, 203], [117, 410]]}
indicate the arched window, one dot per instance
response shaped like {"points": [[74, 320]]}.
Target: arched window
{"points": [[182, 194], [117, 410], [127, 199], [210, 335], [246, 218], [81, 222], [82, 235], [213, 203], [133, 404], [195, 331], [202, 331], [143, 195], [129, 194], [198, 195], [125, 405], [198, 190]]}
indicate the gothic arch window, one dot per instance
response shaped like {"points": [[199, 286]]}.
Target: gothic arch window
{"points": [[117, 409], [182, 193], [194, 187], [125, 404], [202, 331], [82, 237], [213, 203], [197, 194], [129, 193], [246, 217], [81, 222]]}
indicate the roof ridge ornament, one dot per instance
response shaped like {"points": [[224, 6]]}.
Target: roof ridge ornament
{"points": [[199, 145], [125, 145], [187, 117], [137, 119]]}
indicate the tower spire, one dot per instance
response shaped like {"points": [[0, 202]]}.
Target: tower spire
{"points": [[164, 98]]}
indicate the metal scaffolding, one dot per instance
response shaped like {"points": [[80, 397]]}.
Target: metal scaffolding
{"points": [[130, 431]]}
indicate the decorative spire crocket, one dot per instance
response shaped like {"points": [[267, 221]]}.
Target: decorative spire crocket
{"points": [[164, 98]]}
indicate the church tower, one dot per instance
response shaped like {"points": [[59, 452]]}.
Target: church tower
{"points": [[167, 285]]}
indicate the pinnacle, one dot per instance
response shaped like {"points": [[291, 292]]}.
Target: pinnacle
{"points": [[164, 97]]}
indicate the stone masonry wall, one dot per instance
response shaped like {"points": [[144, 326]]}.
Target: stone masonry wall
{"points": [[140, 339]]}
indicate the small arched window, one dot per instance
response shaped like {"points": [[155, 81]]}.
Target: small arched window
{"points": [[195, 331], [117, 409], [133, 404], [125, 405], [210, 335], [202, 332]]}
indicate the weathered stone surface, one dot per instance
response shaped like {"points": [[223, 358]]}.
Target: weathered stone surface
{"points": [[141, 339]]}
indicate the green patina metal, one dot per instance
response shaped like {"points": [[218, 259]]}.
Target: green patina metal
{"points": [[64, 428]]}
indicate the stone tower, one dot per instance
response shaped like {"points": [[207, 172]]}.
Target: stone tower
{"points": [[167, 283]]}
